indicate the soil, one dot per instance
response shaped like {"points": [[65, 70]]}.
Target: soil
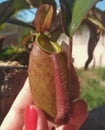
{"points": [[11, 82], [12, 78], [13, 74]]}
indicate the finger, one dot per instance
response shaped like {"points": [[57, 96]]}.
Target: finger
{"points": [[14, 118], [34, 119], [79, 114]]}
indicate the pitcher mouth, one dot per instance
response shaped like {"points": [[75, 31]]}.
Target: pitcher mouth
{"points": [[47, 45]]}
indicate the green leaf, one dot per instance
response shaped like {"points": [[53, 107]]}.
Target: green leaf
{"points": [[79, 9], [6, 11], [19, 22], [66, 16], [8, 52], [9, 8], [96, 22], [20, 5], [93, 17]]}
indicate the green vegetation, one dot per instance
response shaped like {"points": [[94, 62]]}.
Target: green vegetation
{"points": [[24, 34], [92, 86], [9, 52]]}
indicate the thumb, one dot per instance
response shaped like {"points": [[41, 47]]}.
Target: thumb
{"points": [[34, 119], [79, 114]]}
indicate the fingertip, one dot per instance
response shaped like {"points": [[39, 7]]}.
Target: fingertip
{"points": [[79, 112], [34, 119], [30, 118], [42, 121], [79, 106]]}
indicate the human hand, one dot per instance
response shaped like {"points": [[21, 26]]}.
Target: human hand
{"points": [[23, 116]]}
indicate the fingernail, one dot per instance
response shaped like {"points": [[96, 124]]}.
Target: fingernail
{"points": [[30, 118]]}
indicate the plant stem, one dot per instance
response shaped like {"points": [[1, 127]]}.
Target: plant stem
{"points": [[70, 67], [69, 53]]}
